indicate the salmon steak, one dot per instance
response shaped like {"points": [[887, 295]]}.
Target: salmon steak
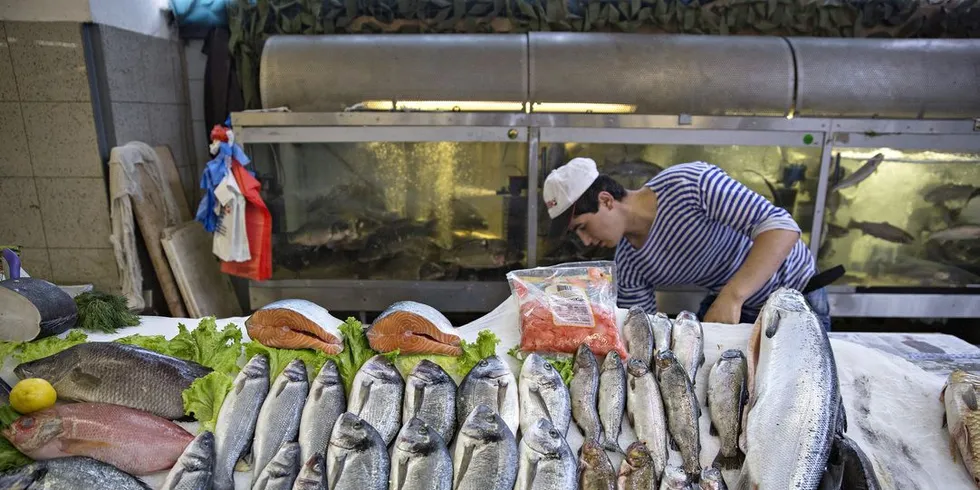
{"points": [[296, 324], [414, 328]]}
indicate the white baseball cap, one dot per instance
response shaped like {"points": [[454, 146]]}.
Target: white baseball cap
{"points": [[563, 187]]}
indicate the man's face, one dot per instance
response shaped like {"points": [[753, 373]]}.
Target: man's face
{"points": [[605, 227]]}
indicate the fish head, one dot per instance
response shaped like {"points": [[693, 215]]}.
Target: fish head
{"points": [[612, 361], [382, 369], [417, 437], [711, 479], [592, 455], [484, 424], [295, 372], [23, 478], [51, 368], [200, 455], [685, 316], [285, 460], [313, 470], [544, 439], [256, 368], [638, 455], [584, 358], [490, 368], [352, 432], [666, 359], [733, 355], [674, 478], [329, 374], [32, 432], [539, 371], [428, 373], [636, 367]]}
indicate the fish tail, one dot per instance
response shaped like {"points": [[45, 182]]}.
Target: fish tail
{"points": [[611, 445], [729, 462]]}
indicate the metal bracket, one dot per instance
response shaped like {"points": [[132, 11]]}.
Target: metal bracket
{"points": [[976, 124]]}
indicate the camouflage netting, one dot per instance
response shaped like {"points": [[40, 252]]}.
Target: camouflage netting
{"points": [[253, 21]]}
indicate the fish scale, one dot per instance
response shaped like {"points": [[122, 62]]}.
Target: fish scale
{"points": [[324, 404], [70, 473], [688, 343], [430, 395], [543, 394], [645, 409], [195, 467], [638, 334], [584, 390], [376, 396], [682, 410], [727, 394], [357, 457], [546, 460], [612, 399], [279, 417], [486, 454], [420, 459], [237, 418], [490, 383]]}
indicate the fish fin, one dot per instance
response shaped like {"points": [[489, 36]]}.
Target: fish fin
{"points": [[83, 379], [841, 416], [338, 471], [712, 430], [464, 465], [419, 398], [970, 399], [944, 420], [673, 444], [501, 396], [365, 394], [537, 392], [729, 462], [82, 447], [531, 474], [401, 474]]}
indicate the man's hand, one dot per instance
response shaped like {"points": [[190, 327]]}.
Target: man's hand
{"points": [[725, 309]]}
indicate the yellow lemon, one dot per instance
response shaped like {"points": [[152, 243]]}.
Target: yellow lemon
{"points": [[32, 394]]}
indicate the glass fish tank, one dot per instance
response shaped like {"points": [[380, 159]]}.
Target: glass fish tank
{"points": [[787, 176], [429, 211], [903, 218]]}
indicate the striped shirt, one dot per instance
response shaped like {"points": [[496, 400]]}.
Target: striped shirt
{"points": [[701, 235]]}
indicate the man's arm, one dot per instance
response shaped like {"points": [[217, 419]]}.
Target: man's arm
{"points": [[768, 252]]}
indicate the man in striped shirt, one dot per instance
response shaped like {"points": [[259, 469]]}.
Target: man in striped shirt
{"points": [[692, 224]]}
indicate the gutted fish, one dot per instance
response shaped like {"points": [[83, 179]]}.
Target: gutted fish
{"points": [[638, 334], [430, 395], [324, 404], [237, 418], [543, 394], [612, 400], [546, 461], [662, 333], [414, 328], [492, 384], [279, 417], [645, 409], [281, 472], [109, 372], [33, 309], [596, 472], [69, 473], [195, 467], [296, 324], [420, 459], [584, 390], [682, 409], [727, 394], [357, 457], [377, 396], [485, 457], [676, 479], [313, 474], [636, 472], [134, 441], [688, 343], [711, 479]]}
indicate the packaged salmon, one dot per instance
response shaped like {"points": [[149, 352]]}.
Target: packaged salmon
{"points": [[566, 305]]}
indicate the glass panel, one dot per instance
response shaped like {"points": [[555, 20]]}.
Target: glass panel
{"points": [[786, 176], [912, 221], [396, 211]]}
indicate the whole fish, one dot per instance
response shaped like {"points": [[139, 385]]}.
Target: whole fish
{"points": [[638, 334], [676, 479], [134, 441], [543, 394], [688, 343], [788, 343], [596, 472], [950, 192], [430, 395], [278, 421], [239, 412], [492, 384], [69, 473], [645, 409], [962, 418], [195, 467], [485, 457], [858, 471], [957, 233], [405, 236], [357, 457], [107, 372], [377, 395], [481, 253], [584, 390], [546, 461], [662, 333], [420, 459], [466, 216], [281, 472], [682, 409], [636, 472], [711, 479], [336, 232], [324, 404], [612, 399], [860, 174], [882, 230], [313, 474], [727, 394]]}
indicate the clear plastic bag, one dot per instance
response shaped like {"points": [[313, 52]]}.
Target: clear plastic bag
{"points": [[564, 306]]}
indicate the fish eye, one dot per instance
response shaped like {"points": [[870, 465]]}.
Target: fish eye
{"points": [[547, 366], [490, 418], [358, 425], [27, 423], [423, 430], [553, 433], [483, 363]]}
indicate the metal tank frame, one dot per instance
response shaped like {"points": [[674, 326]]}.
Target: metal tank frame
{"points": [[535, 129]]}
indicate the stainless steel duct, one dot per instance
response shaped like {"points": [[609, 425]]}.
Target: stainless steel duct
{"points": [[904, 78]]}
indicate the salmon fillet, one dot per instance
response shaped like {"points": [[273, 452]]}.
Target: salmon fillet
{"points": [[414, 328], [296, 324]]}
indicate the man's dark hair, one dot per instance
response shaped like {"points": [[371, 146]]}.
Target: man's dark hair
{"points": [[589, 202]]}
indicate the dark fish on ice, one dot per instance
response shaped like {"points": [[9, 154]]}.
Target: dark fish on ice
{"points": [[637, 472], [237, 417], [34, 309], [420, 459], [313, 474], [279, 417], [482, 254], [612, 400], [676, 479], [860, 174], [711, 479], [883, 231], [858, 471], [584, 390], [543, 395], [490, 383], [324, 405], [69, 473], [430, 396], [547, 462], [281, 472], [638, 335], [376, 396]]}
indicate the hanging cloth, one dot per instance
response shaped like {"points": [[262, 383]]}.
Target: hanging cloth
{"points": [[258, 224]]}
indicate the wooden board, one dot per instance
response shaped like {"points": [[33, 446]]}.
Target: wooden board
{"points": [[206, 291], [172, 176]]}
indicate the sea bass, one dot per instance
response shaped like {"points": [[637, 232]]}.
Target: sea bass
{"points": [[281, 472], [662, 333], [596, 472], [645, 409], [788, 343], [688, 343], [485, 457], [638, 334], [612, 400], [377, 395], [636, 472], [420, 459], [324, 404], [357, 457], [108, 372], [414, 328], [195, 467], [584, 390], [69, 473], [134, 441], [711, 479], [236, 420], [278, 421], [313, 474], [861, 173], [682, 409], [430, 395], [727, 394], [546, 461], [492, 384], [543, 394], [962, 418], [676, 479]]}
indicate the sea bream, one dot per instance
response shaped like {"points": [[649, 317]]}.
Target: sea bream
{"points": [[279, 417], [485, 457], [688, 343], [490, 383], [612, 400], [662, 332], [195, 467], [237, 417], [296, 324], [543, 394], [546, 460], [357, 457], [377, 395], [682, 409], [638, 334], [676, 479], [420, 459], [584, 390], [645, 409], [324, 404], [414, 328], [281, 472], [727, 394], [69, 473], [791, 372], [430, 395], [636, 472], [596, 472], [313, 474]]}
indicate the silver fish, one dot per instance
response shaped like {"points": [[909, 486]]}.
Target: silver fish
{"points": [[612, 399], [490, 383], [313, 474], [636, 471], [377, 395], [788, 343], [957, 233], [860, 174], [662, 332], [237, 418], [547, 463], [584, 390], [324, 404], [638, 334], [195, 468], [711, 479], [69, 473], [485, 457], [357, 457], [688, 343], [281, 472], [420, 460], [543, 394], [279, 417], [645, 409], [675, 479], [682, 409], [727, 394], [596, 472], [950, 192], [883, 231], [430, 395]]}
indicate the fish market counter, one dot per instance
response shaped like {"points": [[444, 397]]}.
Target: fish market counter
{"points": [[890, 384]]}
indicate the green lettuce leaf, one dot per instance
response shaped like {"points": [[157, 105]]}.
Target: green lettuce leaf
{"points": [[450, 364], [280, 358], [356, 352], [206, 345], [34, 350], [7, 416], [10, 457], [155, 343], [6, 350], [485, 346], [204, 397], [565, 365]]}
